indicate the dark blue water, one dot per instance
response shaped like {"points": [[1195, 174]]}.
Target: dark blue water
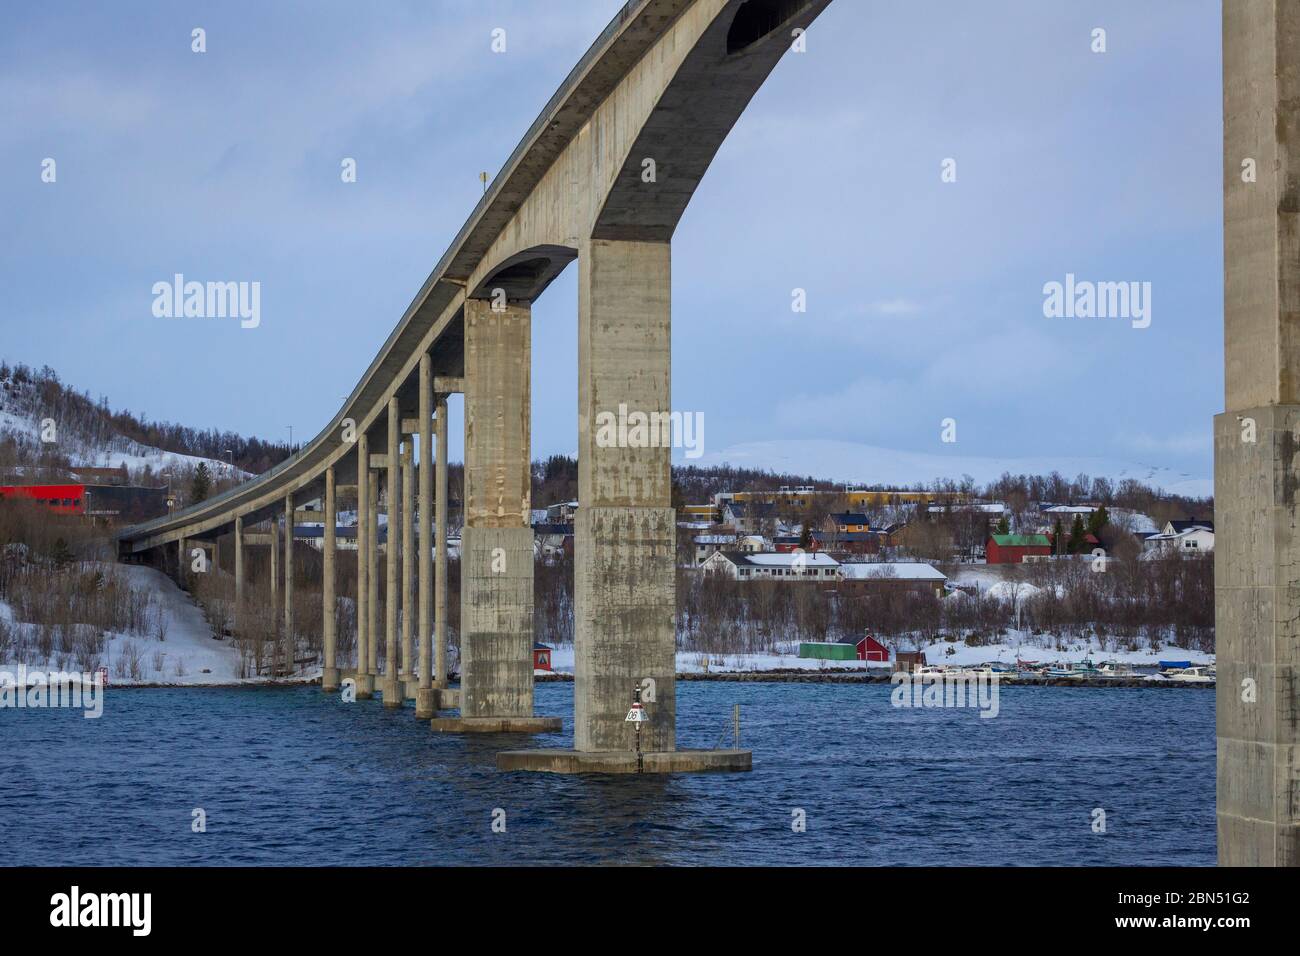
{"points": [[289, 776]]}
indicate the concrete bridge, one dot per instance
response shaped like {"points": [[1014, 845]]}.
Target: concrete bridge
{"points": [[602, 177]]}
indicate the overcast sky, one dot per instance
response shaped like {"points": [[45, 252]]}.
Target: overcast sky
{"points": [[925, 298]]}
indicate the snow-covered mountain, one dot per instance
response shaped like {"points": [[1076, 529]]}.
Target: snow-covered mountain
{"points": [[855, 463]]}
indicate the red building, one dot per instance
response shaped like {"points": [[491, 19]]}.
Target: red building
{"points": [[541, 656], [113, 503], [1014, 548], [870, 649], [60, 499]]}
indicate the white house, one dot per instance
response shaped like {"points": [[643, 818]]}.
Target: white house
{"points": [[1193, 540], [773, 566], [708, 544]]}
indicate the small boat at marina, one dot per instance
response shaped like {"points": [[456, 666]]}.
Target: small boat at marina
{"points": [[1198, 674], [1082, 669], [1115, 669]]}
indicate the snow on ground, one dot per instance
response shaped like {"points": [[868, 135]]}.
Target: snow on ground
{"points": [[1028, 646], [1010, 591], [1015, 644], [188, 642]]}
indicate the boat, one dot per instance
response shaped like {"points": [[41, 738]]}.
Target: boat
{"points": [[1199, 674], [1083, 669], [1115, 669]]}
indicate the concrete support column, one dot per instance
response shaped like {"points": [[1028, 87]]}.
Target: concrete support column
{"points": [[625, 528], [180, 562], [392, 599], [408, 557], [288, 585], [330, 671], [496, 578], [1257, 441], [440, 550], [275, 562], [365, 686], [372, 576], [424, 697], [239, 575]]}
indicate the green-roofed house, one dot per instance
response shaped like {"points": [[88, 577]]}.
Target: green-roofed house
{"points": [[1012, 548]]}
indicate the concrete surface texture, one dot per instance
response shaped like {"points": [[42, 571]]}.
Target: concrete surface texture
{"points": [[1257, 442]]}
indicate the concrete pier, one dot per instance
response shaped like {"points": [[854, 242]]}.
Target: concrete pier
{"points": [[1257, 442], [329, 670], [407, 669], [496, 577], [288, 585], [371, 552], [440, 550], [424, 697], [625, 529], [275, 562], [392, 594], [365, 687], [239, 575]]}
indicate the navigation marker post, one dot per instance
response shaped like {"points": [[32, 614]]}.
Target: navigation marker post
{"points": [[637, 716]]}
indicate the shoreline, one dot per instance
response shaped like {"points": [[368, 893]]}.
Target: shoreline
{"points": [[786, 676]]}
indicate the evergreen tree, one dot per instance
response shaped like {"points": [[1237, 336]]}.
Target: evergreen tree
{"points": [[1077, 535], [1004, 527], [201, 484], [1058, 538], [61, 555], [1098, 520]]}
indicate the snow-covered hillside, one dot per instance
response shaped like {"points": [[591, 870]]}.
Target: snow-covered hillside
{"points": [[120, 451], [180, 652], [85, 442], [853, 462]]}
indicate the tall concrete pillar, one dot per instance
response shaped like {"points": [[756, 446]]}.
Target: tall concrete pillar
{"points": [[408, 557], [496, 577], [330, 671], [440, 550], [365, 687], [392, 599], [288, 585], [275, 563], [424, 697], [1257, 441], [239, 575], [372, 559], [180, 562], [625, 528]]}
